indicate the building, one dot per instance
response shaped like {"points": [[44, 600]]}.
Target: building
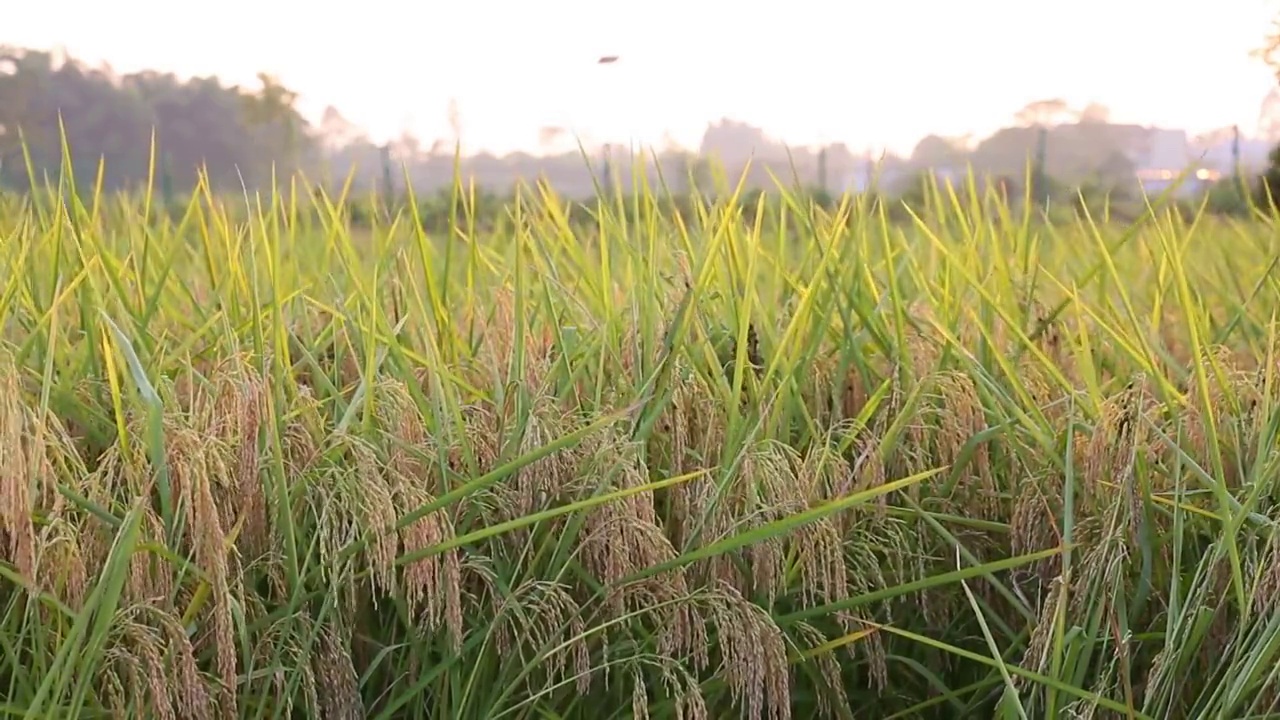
{"points": [[1161, 157]]}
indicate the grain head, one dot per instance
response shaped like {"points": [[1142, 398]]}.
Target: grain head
{"points": [[16, 471]]}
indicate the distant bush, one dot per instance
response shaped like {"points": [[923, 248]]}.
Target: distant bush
{"points": [[1268, 184], [1227, 197]]}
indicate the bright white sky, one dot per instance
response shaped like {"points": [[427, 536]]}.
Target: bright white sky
{"points": [[869, 74]]}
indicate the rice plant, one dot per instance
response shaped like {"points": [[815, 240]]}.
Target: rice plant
{"points": [[619, 460]]}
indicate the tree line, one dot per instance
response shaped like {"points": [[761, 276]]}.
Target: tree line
{"points": [[238, 135], [234, 133]]}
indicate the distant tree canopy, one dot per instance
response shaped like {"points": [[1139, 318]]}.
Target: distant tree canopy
{"points": [[233, 132], [1267, 187], [238, 135]]}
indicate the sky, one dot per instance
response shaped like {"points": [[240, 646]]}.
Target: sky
{"points": [[875, 76]]}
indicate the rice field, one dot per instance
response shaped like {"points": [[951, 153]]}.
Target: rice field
{"points": [[610, 460]]}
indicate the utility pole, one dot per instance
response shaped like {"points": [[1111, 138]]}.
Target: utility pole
{"points": [[1236, 175], [822, 169], [1039, 179], [1235, 150], [385, 153], [607, 150], [607, 161], [166, 180]]}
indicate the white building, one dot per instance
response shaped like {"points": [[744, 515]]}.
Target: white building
{"points": [[1163, 157]]}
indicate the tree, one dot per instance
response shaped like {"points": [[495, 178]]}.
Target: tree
{"points": [[1095, 113], [1268, 185], [196, 124], [1045, 113], [272, 108], [936, 151], [1269, 116], [1117, 172], [1267, 190], [548, 136], [406, 147], [336, 131], [1269, 51], [15, 93]]}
